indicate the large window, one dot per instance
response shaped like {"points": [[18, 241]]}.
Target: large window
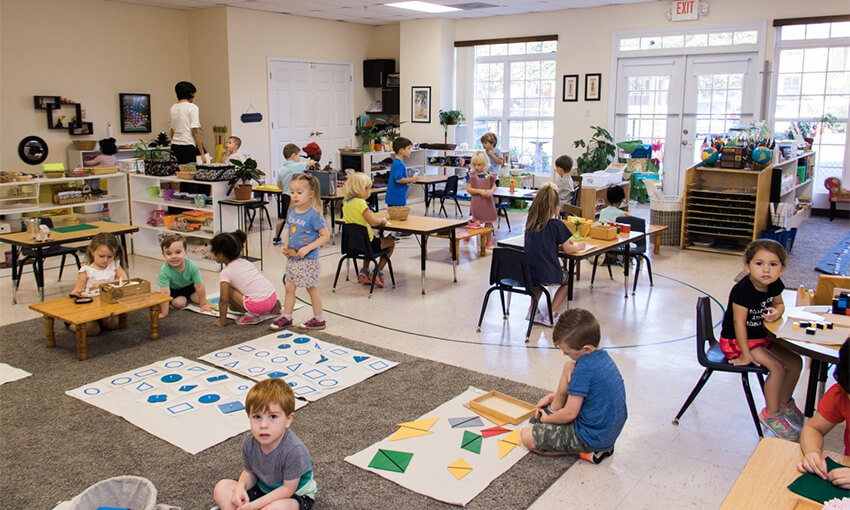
{"points": [[813, 88], [515, 98]]}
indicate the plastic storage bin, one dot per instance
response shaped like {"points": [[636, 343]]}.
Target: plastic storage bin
{"points": [[782, 236]]}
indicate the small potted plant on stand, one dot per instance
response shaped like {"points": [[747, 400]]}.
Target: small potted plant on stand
{"points": [[246, 171], [367, 134], [450, 118]]}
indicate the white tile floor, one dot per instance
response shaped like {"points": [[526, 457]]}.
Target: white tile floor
{"points": [[650, 336]]}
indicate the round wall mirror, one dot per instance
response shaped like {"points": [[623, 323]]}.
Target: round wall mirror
{"points": [[32, 150]]}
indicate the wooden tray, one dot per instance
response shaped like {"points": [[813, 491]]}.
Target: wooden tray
{"points": [[134, 287], [104, 170], [507, 408]]}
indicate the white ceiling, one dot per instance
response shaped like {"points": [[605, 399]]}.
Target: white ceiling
{"points": [[373, 12]]}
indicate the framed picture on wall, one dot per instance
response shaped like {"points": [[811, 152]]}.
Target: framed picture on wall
{"points": [[420, 104], [135, 113], [570, 87], [592, 84]]}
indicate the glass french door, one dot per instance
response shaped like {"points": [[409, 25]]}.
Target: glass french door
{"points": [[679, 101]]}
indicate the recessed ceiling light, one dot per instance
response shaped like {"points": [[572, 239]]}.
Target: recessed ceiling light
{"points": [[423, 7]]}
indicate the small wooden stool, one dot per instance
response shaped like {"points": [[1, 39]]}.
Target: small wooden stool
{"points": [[484, 234]]}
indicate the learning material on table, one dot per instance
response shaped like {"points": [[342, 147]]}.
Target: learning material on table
{"points": [[313, 368], [186, 403], [450, 464]]}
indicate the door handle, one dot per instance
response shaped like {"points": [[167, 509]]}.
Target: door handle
{"points": [[319, 133], [684, 142], [313, 134]]}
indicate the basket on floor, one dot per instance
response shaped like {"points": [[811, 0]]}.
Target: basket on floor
{"points": [[398, 212]]}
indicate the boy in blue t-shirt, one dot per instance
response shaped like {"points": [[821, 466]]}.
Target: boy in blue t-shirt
{"points": [[398, 180], [587, 412]]}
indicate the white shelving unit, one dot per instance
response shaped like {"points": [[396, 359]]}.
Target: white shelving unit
{"points": [[33, 196], [146, 241], [800, 189], [75, 157], [447, 166]]}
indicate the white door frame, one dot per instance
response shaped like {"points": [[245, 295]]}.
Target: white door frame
{"points": [[350, 100]]}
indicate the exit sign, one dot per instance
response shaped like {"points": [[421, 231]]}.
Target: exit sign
{"points": [[683, 10]]}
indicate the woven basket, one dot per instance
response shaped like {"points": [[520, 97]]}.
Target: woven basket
{"points": [[398, 212]]}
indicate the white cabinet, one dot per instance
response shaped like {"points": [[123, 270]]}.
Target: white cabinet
{"points": [[75, 157], [145, 200], [36, 196], [795, 189]]}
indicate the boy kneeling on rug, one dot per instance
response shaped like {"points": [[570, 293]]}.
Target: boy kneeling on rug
{"points": [[587, 412], [278, 471]]}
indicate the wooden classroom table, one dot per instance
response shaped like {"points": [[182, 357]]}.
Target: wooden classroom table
{"points": [[821, 355], [518, 194], [331, 200], [429, 183], [24, 240], [764, 481], [65, 309], [424, 226], [600, 246]]}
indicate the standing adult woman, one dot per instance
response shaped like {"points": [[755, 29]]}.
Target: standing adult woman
{"points": [[185, 125]]}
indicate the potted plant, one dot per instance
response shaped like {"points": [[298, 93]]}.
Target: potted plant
{"points": [[158, 159], [450, 118], [246, 171], [367, 134], [599, 151]]}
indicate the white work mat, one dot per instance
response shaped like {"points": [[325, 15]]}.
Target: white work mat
{"points": [[8, 373], [428, 470], [174, 399], [313, 368]]}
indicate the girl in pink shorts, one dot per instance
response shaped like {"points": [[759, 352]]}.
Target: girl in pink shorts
{"points": [[243, 287], [753, 300]]}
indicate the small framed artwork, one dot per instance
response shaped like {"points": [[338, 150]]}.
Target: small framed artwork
{"points": [[80, 128], [135, 113], [570, 87], [420, 107], [592, 84]]}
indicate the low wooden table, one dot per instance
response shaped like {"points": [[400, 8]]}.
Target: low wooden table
{"points": [[764, 481], [462, 234], [65, 309]]}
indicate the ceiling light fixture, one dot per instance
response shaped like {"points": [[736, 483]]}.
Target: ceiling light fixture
{"points": [[423, 7]]}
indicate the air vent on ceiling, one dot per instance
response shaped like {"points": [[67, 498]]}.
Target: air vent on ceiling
{"points": [[473, 5]]}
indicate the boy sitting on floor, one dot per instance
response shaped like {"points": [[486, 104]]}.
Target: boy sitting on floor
{"points": [[587, 412]]}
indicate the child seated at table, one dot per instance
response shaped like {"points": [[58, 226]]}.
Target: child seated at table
{"points": [[104, 256], [563, 180], [614, 197], [833, 409], [586, 414], [544, 235], [357, 189]]}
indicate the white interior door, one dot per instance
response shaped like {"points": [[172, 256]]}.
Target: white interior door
{"points": [[309, 102], [681, 100], [721, 92], [648, 107]]}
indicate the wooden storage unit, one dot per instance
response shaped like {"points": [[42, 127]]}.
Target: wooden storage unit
{"points": [[724, 209], [146, 240], [592, 200]]}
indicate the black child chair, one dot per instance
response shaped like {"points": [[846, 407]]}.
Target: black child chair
{"points": [[29, 254], [355, 246], [509, 273], [449, 191], [712, 358], [637, 251]]}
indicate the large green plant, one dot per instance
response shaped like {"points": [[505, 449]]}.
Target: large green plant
{"points": [[599, 151], [246, 171], [451, 117]]}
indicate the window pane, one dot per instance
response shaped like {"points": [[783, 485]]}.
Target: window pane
{"points": [[630, 44], [749, 37], [787, 107], [482, 72], [482, 50], [518, 70], [838, 83], [549, 47], [814, 83], [516, 48], [841, 29], [547, 70], [839, 59], [720, 39], [793, 32], [675, 41], [696, 40], [788, 84], [791, 61], [534, 47], [811, 106], [497, 50], [837, 105], [814, 59], [817, 31]]}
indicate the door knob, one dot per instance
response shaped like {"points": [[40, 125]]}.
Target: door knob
{"points": [[684, 142], [319, 133], [312, 133]]}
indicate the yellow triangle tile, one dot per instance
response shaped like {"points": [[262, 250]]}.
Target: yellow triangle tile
{"points": [[424, 424], [407, 433], [512, 438], [505, 448], [459, 468]]}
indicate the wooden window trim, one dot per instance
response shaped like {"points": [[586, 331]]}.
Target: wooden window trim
{"points": [[815, 19], [506, 40]]}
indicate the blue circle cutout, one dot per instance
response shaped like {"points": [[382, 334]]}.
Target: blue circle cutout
{"points": [[209, 398], [277, 374], [301, 340], [171, 378], [284, 346], [284, 335]]}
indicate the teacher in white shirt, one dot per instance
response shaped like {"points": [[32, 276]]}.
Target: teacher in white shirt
{"points": [[185, 125]]}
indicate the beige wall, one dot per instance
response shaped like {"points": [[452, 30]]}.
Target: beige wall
{"points": [[585, 35], [210, 67], [253, 37], [87, 51]]}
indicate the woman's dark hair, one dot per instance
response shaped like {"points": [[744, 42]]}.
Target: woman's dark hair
{"points": [[842, 369], [185, 90], [107, 146], [228, 244]]}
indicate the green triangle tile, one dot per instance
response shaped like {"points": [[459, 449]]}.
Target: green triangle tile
{"points": [[471, 442], [391, 460]]}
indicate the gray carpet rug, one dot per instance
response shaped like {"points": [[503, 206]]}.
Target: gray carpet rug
{"points": [[815, 237], [53, 446]]}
